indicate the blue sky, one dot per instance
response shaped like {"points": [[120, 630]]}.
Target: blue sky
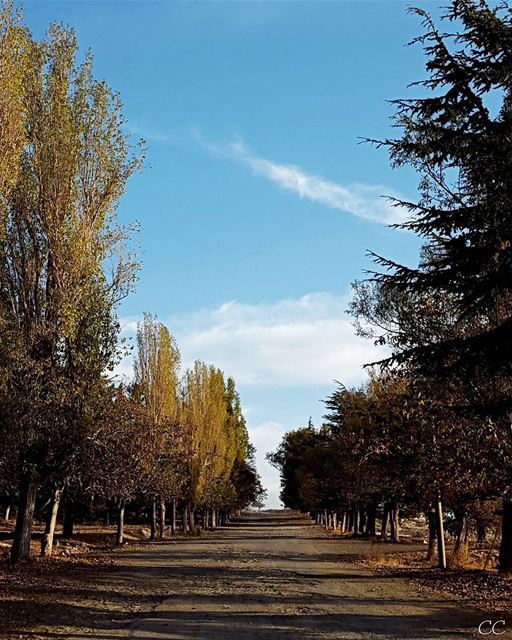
{"points": [[257, 203]]}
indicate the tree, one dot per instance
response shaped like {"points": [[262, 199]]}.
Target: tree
{"points": [[156, 382], [63, 261], [458, 138]]}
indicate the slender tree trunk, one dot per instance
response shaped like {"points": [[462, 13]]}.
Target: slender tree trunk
{"points": [[162, 518], [173, 517], [432, 535], [357, 515], [481, 532], [7, 513], [350, 520], [441, 548], [362, 522], [152, 534], [207, 518], [385, 521], [184, 516], [326, 519], [20, 549], [505, 560], [192, 519], [214, 518], [370, 519], [395, 523], [120, 523], [51, 521]]}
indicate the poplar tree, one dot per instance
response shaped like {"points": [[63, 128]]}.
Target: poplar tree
{"points": [[63, 259], [157, 383]]}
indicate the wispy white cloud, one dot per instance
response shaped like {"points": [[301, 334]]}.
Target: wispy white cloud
{"points": [[370, 202], [290, 342]]}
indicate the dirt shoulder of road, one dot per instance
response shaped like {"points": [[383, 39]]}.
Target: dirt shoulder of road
{"points": [[467, 581]]}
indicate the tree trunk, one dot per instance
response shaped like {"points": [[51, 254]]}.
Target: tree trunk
{"points": [[173, 517], [350, 520], [214, 518], [191, 519], [20, 549], [481, 532], [441, 549], [356, 519], [362, 522], [51, 521], [152, 535], [7, 513], [162, 519], [184, 516], [68, 525], [505, 561], [207, 518], [395, 523], [120, 523], [385, 522], [370, 519], [432, 535], [326, 519]]}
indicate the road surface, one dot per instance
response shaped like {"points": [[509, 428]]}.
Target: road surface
{"points": [[273, 577]]}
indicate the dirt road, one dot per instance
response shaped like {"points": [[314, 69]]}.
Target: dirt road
{"points": [[269, 577], [272, 577]]}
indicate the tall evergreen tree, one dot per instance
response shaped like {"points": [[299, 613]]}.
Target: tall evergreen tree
{"points": [[459, 139]]}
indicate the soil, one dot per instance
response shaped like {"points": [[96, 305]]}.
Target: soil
{"points": [[270, 576]]}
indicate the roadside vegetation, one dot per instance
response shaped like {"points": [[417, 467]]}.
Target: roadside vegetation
{"points": [[75, 444], [430, 432]]}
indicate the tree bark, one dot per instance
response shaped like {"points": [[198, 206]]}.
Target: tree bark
{"points": [[385, 522], [51, 521], [7, 513], [152, 535], [441, 549], [395, 523], [370, 519], [191, 519], [481, 532], [214, 518], [184, 516], [162, 519], [120, 523], [432, 534], [173, 517], [505, 559], [20, 549]]}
